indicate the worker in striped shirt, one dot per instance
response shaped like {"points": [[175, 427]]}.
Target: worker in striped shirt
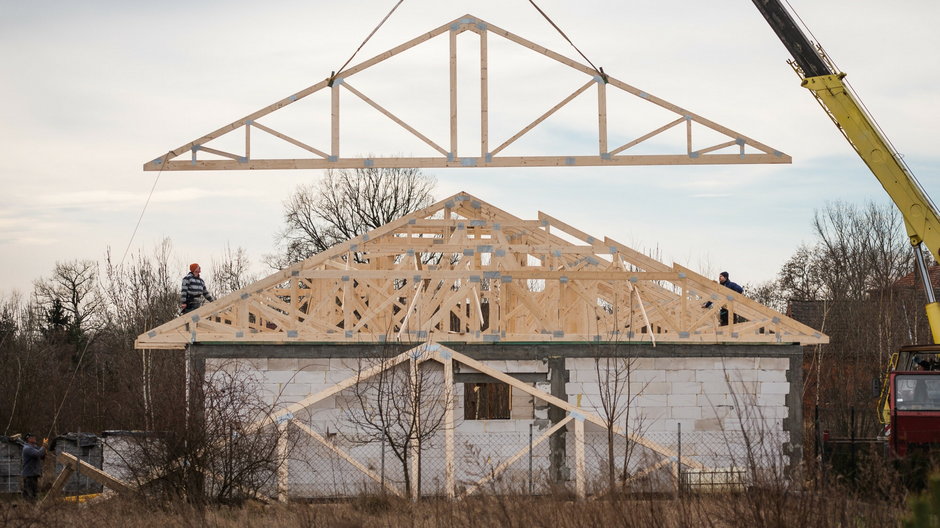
{"points": [[194, 290]]}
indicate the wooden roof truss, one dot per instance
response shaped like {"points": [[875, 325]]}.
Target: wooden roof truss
{"points": [[205, 153], [462, 270]]}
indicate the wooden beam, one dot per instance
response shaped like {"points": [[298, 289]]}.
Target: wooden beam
{"points": [[394, 118], [495, 472], [345, 456], [602, 117], [543, 117], [453, 94], [552, 400], [484, 97], [290, 140], [473, 161]]}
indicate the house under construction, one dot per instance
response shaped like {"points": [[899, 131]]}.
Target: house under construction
{"points": [[524, 328]]}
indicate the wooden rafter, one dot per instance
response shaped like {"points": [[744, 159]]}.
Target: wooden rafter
{"points": [[501, 278], [734, 148]]}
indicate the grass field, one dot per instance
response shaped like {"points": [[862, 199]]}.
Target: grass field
{"points": [[764, 508]]}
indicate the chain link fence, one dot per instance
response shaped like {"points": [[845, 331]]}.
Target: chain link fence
{"points": [[502, 462]]}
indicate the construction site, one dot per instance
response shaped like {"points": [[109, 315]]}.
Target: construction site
{"points": [[467, 356]]}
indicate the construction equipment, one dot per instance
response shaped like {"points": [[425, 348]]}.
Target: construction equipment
{"points": [[910, 424]]}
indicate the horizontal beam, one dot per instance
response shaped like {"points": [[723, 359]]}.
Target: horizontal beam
{"points": [[440, 163]]}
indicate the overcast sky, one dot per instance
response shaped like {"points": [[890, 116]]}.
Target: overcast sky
{"points": [[92, 90]]}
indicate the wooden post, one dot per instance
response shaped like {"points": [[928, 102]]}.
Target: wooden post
{"points": [[58, 483], [579, 456], [484, 98], [602, 115], [449, 480], [453, 93], [334, 121], [283, 468], [247, 141]]}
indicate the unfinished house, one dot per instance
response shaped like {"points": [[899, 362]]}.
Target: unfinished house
{"points": [[462, 348], [504, 347]]}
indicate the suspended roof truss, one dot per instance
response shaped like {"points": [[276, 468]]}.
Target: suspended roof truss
{"points": [[703, 142], [462, 270]]}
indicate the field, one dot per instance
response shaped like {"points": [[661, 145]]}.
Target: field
{"points": [[831, 507]]}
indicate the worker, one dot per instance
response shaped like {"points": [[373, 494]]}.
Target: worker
{"points": [[33, 456], [726, 282], [193, 290]]}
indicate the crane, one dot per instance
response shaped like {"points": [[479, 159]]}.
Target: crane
{"points": [[911, 421]]}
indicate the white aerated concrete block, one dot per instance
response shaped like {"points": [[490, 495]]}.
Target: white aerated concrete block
{"points": [[314, 364], [282, 364], [773, 363], [278, 376], [651, 400], [683, 387], [650, 388], [642, 376], [685, 412], [526, 366], [771, 400], [682, 400], [737, 363], [775, 388], [771, 375], [711, 376], [680, 375]]}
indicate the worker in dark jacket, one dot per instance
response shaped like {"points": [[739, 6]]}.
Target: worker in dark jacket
{"points": [[194, 290], [33, 456], [726, 282]]}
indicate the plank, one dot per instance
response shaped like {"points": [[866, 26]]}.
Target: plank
{"points": [[474, 161], [345, 456]]}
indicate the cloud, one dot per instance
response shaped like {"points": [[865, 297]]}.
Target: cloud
{"points": [[133, 200]]}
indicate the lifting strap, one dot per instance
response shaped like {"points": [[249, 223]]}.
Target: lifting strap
{"points": [[341, 68], [600, 71]]}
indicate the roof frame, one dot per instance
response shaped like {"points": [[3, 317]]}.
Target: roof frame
{"points": [[736, 148], [497, 278]]}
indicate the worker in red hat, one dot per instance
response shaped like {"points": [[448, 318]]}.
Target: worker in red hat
{"points": [[194, 290]]}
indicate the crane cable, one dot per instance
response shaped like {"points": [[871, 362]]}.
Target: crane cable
{"points": [[600, 71], [343, 67]]}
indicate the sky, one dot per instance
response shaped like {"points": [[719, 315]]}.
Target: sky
{"points": [[90, 91]]}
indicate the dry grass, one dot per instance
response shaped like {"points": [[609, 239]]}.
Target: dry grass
{"points": [[820, 508]]}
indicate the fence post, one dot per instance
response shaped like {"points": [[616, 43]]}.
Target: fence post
{"points": [[530, 457], [579, 456], [449, 477], [679, 460], [854, 455], [816, 434], [382, 467], [283, 474]]}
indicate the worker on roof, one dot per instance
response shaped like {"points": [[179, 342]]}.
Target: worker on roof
{"points": [[726, 282], [194, 290]]}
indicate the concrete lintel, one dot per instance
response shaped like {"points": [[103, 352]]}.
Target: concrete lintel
{"points": [[527, 377], [501, 351]]}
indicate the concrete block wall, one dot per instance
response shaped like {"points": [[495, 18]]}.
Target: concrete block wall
{"points": [[712, 398]]}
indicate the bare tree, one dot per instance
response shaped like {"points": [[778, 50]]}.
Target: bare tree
{"points": [[401, 407], [219, 453], [345, 204], [232, 271], [73, 288]]}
